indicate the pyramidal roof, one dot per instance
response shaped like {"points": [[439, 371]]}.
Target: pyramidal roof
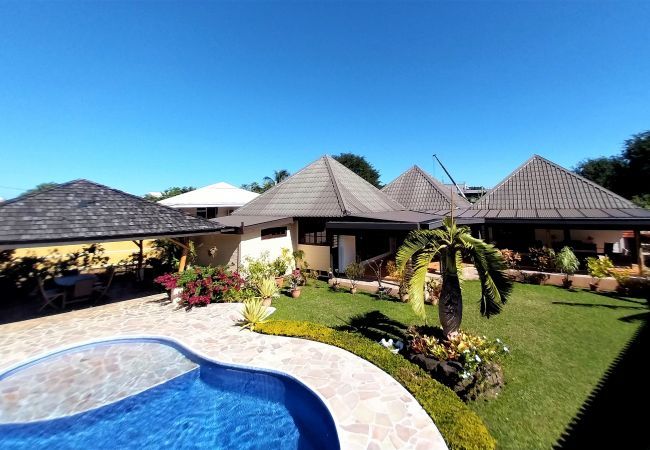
{"points": [[83, 211], [419, 191], [542, 184], [325, 188], [215, 195]]}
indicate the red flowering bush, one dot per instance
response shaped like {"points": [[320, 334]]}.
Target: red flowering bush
{"points": [[202, 285]]}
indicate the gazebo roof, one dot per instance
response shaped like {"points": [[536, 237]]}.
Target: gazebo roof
{"points": [[83, 211], [215, 195]]}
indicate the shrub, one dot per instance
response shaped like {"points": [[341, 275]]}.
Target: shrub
{"points": [[281, 264], [253, 314], [239, 296], [256, 269], [599, 268], [461, 427], [534, 278], [354, 271], [202, 285], [543, 259], [511, 258], [295, 279], [467, 363], [567, 262], [434, 288]]}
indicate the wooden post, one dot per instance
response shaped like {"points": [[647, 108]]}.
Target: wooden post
{"points": [[183, 260], [140, 245], [639, 250]]}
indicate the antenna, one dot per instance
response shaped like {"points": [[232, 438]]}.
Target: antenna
{"points": [[450, 177]]}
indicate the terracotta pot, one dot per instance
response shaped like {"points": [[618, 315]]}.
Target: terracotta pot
{"points": [[279, 281], [593, 287], [266, 301], [295, 293], [353, 290]]}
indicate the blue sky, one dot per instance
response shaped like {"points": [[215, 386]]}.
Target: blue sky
{"points": [[142, 96]]}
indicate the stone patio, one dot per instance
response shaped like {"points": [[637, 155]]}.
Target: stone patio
{"points": [[371, 410]]}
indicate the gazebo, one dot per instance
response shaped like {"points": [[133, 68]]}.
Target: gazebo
{"points": [[81, 212]]}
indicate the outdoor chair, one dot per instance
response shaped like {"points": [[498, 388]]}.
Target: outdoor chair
{"points": [[49, 295], [83, 289], [102, 288]]}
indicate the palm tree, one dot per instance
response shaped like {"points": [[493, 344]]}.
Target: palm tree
{"points": [[451, 244], [278, 176]]}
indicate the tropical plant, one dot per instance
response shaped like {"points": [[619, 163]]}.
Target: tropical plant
{"points": [[433, 287], [399, 274], [511, 258], [299, 258], [267, 182], [567, 262], [169, 192], [599, 268], [257, 269], [451, 243], [543, 258], [254, 313], [354, 271], [295, 279], [267, 287], [282, 263]]}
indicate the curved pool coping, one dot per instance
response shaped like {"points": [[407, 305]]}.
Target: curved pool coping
{"points": [[163, 340], [394, 421]]}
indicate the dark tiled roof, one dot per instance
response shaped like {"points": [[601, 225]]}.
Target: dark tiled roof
{"points": [[419, 191], [325, 188], [542, 184], [81, 210]]}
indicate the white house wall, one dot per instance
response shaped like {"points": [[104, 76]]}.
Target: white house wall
{"points": [[347, 251], [252, 244]]}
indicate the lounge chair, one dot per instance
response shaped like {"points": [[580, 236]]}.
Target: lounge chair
{"points": [[83, 290], [49, 295], [102, 288]]}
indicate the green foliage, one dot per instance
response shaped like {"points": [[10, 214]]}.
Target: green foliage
{"points": [[239, 295], [281, 264], [459, 425], [169, 192], [600, 267], [267, 182], [257, 269], [566, 261], [511, 258], [354, 271], [543, 259], [41, 187], [626, 173], [254, 314], [642, 200], [267, 287], [450, 243], [359, 165]]}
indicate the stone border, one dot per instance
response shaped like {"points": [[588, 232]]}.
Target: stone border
{"points": [[370, 409]]}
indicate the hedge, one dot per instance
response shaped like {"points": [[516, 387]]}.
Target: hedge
{"points": [[460, 427]]}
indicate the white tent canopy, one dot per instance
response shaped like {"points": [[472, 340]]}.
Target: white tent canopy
{"points": [[218, 195]]}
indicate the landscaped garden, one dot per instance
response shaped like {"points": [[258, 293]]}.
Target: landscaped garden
{"points": [[561, 343]]}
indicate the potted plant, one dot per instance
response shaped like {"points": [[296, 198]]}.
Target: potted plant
{"points": [[295, 280], [568, 264], [354, 271], [333, 279], [598, 268], [267, 288], [280, 266]]}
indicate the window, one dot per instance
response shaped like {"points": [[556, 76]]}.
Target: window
{"points": [[206, 213], [312, 233], [271, 233]]}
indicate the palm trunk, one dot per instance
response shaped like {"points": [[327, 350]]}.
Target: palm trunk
{"points": [[450, 307]]}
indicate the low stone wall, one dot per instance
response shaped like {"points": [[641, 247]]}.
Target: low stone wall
{"points": [[608, 284]]}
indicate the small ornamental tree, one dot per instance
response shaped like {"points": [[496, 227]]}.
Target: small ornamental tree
{"points": [[567, 262]]}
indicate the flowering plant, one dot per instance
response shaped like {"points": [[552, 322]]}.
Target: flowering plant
{"points": [[295, 279], [202, 285]]}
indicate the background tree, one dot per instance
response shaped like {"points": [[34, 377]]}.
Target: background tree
{"points": [[41, 187], [267, 182], [169, 192], [626, 173], [359, 165]]}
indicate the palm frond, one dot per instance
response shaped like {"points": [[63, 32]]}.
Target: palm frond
{"points": [[415, 241], [495, 285], [421, 261]]}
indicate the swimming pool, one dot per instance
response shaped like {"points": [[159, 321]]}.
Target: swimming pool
{"points": [[154, 394]]}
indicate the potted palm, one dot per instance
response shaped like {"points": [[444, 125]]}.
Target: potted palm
{"points": [[354, 271], [598, 268], [295, 280], [268, 288], [450, 244], [567, 262]]}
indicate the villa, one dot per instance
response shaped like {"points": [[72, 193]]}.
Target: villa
{"points": [[216, 200]]}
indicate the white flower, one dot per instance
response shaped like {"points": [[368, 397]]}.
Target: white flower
{"points": [[477, 358], [498, 340], [505, 349]]}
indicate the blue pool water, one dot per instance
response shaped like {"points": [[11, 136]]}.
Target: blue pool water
{"points": [[213, 406]]}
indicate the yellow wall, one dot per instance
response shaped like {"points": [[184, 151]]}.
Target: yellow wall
{"points": [[114, 251], [317, 256]]}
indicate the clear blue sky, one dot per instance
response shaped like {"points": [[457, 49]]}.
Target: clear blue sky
{"points": [[142, 96]]}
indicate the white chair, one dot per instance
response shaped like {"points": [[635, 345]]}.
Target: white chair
{"points": [[49, 295]]}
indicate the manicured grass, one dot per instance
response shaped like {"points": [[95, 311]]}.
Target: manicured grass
{"points": [[561, 342]]}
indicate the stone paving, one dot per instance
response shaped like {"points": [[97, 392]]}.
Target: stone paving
{"points": [[371, 410]]}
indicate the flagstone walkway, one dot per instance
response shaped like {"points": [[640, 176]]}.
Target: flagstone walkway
{"points": [[371, 410]]}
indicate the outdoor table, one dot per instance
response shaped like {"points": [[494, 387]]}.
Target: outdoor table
{"points": [[70, 280]]}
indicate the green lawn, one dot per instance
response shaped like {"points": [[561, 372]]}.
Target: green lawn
{"points": [[561, 345]]}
